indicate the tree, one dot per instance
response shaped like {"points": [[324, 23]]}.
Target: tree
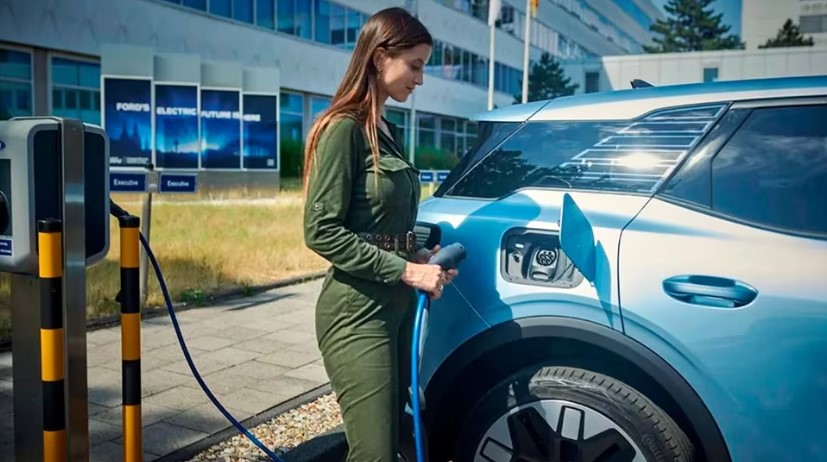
{"points": [[691, 26], [788, 36], [546, 80]]}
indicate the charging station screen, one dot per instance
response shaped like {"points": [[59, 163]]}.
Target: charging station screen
{"points": [[176, 126], [220, 129], [260, 132], [127, 119]]}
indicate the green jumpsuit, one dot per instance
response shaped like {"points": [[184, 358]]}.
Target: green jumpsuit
{"points": [[364, 313]]}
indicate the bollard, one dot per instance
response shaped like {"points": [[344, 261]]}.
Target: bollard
{"points": [[50, 271], [131, 339]]}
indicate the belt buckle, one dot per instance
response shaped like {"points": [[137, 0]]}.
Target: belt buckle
{"points": [[410, 241]]}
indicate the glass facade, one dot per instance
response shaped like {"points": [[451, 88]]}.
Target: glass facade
{"points": [[331, 23], [441, 140], [75, 89], [546, 38], [15, 84]]}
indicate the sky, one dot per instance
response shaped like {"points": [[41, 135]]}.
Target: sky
{"points": [[730, 8]]}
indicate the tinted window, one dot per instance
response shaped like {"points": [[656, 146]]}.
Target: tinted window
{"points": [[489, 135], [629, 156], [692, 181], [774, 170]]}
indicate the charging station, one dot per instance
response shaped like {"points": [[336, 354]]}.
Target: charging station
{"points": [[51, 169]]}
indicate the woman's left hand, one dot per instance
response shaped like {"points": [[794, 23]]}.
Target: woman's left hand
{"points": [[424, 256]]}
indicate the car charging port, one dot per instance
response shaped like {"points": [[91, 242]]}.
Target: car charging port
{"points": [[534, 257]]}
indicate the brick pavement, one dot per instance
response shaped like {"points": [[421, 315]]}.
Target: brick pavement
{"points": [[254, 353]]}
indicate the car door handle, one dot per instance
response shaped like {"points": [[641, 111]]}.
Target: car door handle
{"points": [[709, 290]]}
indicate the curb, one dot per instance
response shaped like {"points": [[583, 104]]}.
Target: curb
{"points": [[192, 450], [156, 311]]}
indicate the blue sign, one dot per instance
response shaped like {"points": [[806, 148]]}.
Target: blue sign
{"points": [[177, 183], [5, 247], [220, 129], [260, 132], [426, 177], [127, 119], [127, 182], [442, 176], [176, 126], [2, 145]]}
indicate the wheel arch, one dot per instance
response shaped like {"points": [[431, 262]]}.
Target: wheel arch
{"points": [[520, 343]]}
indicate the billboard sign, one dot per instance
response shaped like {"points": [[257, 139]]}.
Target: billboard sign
{"points": [[260, 125], [127, 119], [220, 129], [176, 126]]}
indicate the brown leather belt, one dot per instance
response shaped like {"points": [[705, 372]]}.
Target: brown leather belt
{"points": [[392, 242]]}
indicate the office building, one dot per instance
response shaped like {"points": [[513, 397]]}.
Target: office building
{"points": [[50, 54], [761, 20], [616, 72]]}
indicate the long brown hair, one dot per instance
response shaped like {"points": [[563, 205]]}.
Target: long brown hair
{"points": [[391, 29]]}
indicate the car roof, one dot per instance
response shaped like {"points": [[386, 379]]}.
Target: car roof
{"points": [[631, 103]]}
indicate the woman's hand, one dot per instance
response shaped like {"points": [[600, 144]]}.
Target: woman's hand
{"points": [[428, 278]]}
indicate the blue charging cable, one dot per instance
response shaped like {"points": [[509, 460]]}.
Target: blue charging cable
{"points": [[419, 321], [195, 373], [448, 258]]}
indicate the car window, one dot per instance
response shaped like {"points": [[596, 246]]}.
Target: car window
{"points": [[628, 156], [773, 171]]}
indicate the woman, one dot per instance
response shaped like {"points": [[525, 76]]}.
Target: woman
{"points": [[361, 199]]}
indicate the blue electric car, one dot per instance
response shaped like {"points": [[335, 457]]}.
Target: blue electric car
{"points": [[646, 279]]}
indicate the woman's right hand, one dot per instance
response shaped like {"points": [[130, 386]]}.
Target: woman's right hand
{"points": [[428, 278]]}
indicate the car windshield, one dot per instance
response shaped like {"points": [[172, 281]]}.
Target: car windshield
{"points": [[629, 156]]}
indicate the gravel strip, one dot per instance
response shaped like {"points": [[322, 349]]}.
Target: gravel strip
{"points": [[280, 434]]}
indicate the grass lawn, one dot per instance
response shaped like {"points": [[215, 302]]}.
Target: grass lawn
{"points": [[204, 247]]}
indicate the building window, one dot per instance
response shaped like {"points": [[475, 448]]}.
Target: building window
{"points": [[291, 129], [317, 105], [15, 84], [813, 24], [425, 130], [243, 10], [400, 117], [76, 89], [221, 8], [294, 17], [265, 14], [710, 74], [291, 115], [197, 4], [592, 82]]}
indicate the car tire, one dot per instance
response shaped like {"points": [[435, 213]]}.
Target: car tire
{"points": [[623, 425]]}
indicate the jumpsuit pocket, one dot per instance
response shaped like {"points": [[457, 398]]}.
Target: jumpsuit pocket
{"points": [[393, 185]]}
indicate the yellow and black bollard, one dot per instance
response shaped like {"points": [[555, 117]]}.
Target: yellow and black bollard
{"points": [[50, 262], [131, 338]]}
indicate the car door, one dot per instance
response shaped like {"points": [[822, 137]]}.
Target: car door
{"points": [[724, 275]]}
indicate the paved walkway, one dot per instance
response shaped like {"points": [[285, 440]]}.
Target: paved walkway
{"points": [[254, 353]]}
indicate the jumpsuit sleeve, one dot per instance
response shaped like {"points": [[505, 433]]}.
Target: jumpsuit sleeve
{"points": [[326, 208]]}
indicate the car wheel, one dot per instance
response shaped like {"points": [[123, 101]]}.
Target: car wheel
{"points": [[568, 414]]}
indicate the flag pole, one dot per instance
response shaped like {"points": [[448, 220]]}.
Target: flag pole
{"points": [[491, 66], [494, 7], [527, 40]]}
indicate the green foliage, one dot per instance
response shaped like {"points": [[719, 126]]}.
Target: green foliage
{"points": [[788, 36], [291, 157], [691, 25], [430, 158], [547, 80]]}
